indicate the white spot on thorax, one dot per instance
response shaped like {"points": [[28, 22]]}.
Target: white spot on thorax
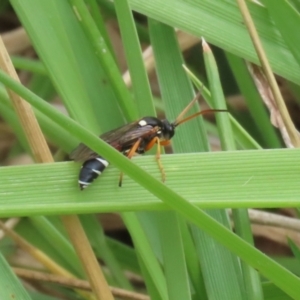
{"points": [[142, 123]]}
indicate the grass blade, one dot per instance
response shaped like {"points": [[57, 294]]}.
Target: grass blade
{"points": [[221, 26]]}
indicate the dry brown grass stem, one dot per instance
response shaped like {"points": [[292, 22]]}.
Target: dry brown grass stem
{"points": [[291, 130], [75, 283], [42, 154]]}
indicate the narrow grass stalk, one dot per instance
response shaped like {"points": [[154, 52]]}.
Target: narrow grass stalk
{"points": [[149, 263], [173, 253], [292, 132], [240, 134], [194, 269], [176, 91], [30, 65], [218, 100], [140, 83], [241, 219], [256, 107], [106, 59], [143, 99], [100, 23], [9, 116], [227, 144]]}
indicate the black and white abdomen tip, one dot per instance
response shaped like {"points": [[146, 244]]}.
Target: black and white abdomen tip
{"points": [[90, 170]]}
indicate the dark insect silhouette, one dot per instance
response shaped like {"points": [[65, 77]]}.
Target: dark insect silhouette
{"points": [[136, 137]]}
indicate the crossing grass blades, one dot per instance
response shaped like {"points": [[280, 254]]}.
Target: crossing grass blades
{"points": [[136, 137]]}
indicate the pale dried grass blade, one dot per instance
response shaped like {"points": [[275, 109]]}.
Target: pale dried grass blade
{"points": [[264, 90]]}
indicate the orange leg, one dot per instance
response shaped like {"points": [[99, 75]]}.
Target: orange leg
{"points": [[129, 155], [165, 143], [159, 144]]}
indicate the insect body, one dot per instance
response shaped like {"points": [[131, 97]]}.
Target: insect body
{"points": [[136, 137]]}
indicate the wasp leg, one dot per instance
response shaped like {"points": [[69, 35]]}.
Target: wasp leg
{"points": [[131, 152], [165, 143], [159, 143]]}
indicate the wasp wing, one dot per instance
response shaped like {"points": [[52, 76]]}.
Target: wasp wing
{"points": [[121, 138]]}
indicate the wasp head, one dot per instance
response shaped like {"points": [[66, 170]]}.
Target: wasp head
{"points": [[167, 130]]}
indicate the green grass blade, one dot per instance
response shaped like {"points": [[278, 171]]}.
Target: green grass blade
{"points": [[221, 25], [9, 115], [54, 133], [254, 102], [149, 261], [143, 100], [177, 91], [284, 279], [151, 288], [54, 237], [223, 282], [272, 292], [126, 255], [61, 44], [98, 241], [251, 277], [218, 100], [31, 65], [242, 225], [294, 248], [194, 269], [286, 19], [38, 239], [42, 86], [233, 284], [106, 59], [173, 253], [205, 179], [100, 23], [10, 286], [240, 134], [135, 62]]}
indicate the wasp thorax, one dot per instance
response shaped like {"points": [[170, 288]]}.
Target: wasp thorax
{"points": [[165, 130]]}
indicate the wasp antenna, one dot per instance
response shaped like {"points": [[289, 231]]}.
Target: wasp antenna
{"points": [[203, 112], [187, 108]]}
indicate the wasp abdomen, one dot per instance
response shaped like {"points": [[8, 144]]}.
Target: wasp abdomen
{"points": [[90, 170]]}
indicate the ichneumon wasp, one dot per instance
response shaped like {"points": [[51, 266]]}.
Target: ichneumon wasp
{"points": [[136, 137]]}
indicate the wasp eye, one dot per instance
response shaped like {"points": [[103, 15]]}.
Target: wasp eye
{"points": [[142, 123]]}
